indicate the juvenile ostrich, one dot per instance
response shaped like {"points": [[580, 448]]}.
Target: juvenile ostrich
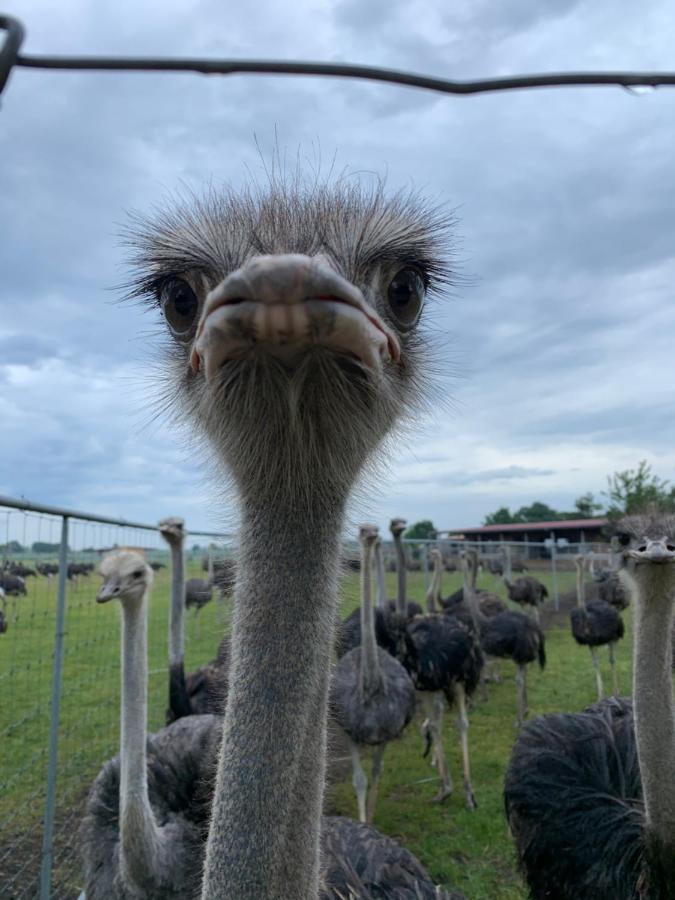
{"points": [[372, 696], [143, 831], [445, 661], [508, 635], [594, 625], [295, 351], [590, 796], [526, 591]]}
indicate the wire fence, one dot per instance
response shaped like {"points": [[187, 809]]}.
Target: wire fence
{"points": [[59, 680], [60, 662]]}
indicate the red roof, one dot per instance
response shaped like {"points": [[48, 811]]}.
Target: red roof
{"points": [[557, 525]]}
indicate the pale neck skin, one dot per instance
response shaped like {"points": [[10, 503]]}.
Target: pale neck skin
{"points": [[370, 676], [654, 597], [581, 587], [265, 827], [381, 578], [401, 572], [139, 833], [435, 587]]}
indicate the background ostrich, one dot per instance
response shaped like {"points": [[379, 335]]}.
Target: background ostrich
{"points": [[445, 661], [594, 625], [13, 585], [295, 351], [3, 620], [144, 826], [591, 796], [173, 532], [526, 591], [372, 696], [198, 592], [508, 635], [403, 606]]}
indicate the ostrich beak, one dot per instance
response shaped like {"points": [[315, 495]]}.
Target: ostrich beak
{"points": [[108, 591], [660, 552], [284, 305]]}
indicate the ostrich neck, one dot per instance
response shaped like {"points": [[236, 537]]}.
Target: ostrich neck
{"points": [[381, 578], [654, 716], [179, 701], [470, 575], [401, 572], [264, 837], [370, 675], [581, 592], [138, 829], [434, 589]]}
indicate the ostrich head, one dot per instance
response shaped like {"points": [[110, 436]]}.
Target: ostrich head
{"points": [[648, 556], [293, 319], [397, 527], [126, 577], [172, 530], [368, 536], [435, 557]]}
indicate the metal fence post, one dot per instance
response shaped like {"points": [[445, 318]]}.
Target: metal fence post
{"points": [[554, 574], [57, 677]]}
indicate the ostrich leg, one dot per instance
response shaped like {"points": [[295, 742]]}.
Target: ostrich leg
{"points": [[612, 662], [435, 724], [463, 726], [521, 681], [598, 674], [378, 760], [359, 780]]}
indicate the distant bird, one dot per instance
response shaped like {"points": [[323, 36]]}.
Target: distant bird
{"points": [[372, 696], [508, 635], [594, 625], [403, 606], [198, 592], [146, 816], [13, 585], [156, 566], [444, 660], [590, 797], [3, 620], [526, 591]]}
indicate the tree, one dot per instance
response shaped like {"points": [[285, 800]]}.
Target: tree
{"points": [[12, 547], [502, 516], [586, 507], [634, 490], [421, 531], [537, 512], [44, 547]]}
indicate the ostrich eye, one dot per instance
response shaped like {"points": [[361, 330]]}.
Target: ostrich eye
{"points": [[406, 296], [179, 305], [138, 573]]}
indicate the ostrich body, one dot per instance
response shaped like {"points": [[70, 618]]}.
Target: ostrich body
{"points": [[591, 796], [508, 635], [526, 591], [13, 585], [445, 662], [372, 696], [295, 351], [143, 831], [594, 625]]}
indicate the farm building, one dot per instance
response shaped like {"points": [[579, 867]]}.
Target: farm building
{"points": [[566, 531]]}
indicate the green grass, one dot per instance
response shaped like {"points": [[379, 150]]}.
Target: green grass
{"points": [[470, 851]]}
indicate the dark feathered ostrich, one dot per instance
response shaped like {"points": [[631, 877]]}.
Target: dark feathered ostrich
{"points": [[144, 826], [445, 661], [296, 348], [508, 635], [590, 796], [198, 592], [372, 696], [3, 619], [527, 592], [595, 625]]}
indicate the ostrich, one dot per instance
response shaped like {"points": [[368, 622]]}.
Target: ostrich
{"points": [[404, 607], [526, 591], [508, 635], [444, 661], [13, 585], [198, 592], [295, 351], [372, 696], [590, 796], [143, 831], [594, 625], [3, 619]]}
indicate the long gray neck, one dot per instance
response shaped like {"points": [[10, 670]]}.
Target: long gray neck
{"points": [[581, 587], [139, 834], [401, 571], [177, 619], [264, 836], [434, 588], [470, 576], [653, 704], [370, 675], [381, 578]]}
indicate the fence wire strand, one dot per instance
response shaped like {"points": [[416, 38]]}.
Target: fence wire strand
{"points": [[10, 57]]}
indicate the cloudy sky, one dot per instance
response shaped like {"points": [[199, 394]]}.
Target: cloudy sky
{"points": [[557, 339]]}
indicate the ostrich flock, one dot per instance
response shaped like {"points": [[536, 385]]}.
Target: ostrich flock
{"points": [[295, 347]]}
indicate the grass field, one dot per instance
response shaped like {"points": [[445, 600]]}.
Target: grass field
{"points": [[470, 851]]}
